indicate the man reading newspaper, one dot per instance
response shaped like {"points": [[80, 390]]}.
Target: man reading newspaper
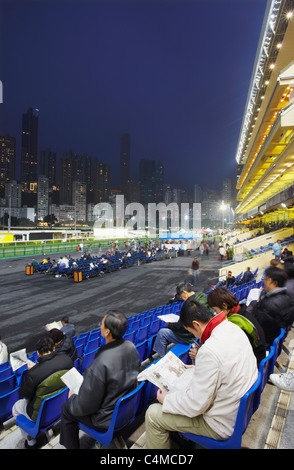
{"points": [[224, 371]]}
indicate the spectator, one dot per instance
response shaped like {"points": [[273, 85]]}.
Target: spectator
{"points": [[112, 375], [41, 380], [221, 252], [229, 280], [195, 267], [274, 309], [3, 352], [289, 270], [225, 370], [287, 256], [277, 249], [175, 332], [67, 328], [63, 343], [222, 300], [247, 276]]}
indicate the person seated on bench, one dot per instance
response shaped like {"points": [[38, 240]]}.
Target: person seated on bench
{"points": [[207, 405], [41, 380], [112, 374]]}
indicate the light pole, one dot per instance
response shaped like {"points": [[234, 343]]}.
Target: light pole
{"points": [[223, 208]]}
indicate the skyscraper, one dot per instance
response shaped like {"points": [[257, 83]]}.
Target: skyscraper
{"points": [[147, 176], [101, 181], [48, 166], [7, 161], [29, 147], [124, 161], [43, 197]]}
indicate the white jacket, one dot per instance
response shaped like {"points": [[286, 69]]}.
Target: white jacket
{"points": [[225, 370]]}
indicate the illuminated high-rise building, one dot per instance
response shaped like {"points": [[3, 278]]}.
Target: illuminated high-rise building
{"points": [[29, 147]]}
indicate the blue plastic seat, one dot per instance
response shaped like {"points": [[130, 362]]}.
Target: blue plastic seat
{"points": [[182, 352], [7, 372], [142, 334], [142, 349], [264, 369], [7, 385], [4, 365], [246, 409], [49, 414], [130, 336], [92, 345], [155, 326], [124, 413], [88, 359], [6, 403], [277, 345]]}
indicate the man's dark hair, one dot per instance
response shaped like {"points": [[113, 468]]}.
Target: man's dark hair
{"points": [[220, 296], [184, 286], [289, 270], [45, 345], [194, 311], [65, 319], [277, 275], [117, 323]]}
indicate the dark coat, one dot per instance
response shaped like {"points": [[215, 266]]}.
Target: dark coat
{"points": [[67, 347], [112, 374], [47, 366], [274, 310]]}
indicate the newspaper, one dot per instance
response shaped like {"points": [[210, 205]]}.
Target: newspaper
{"points": [[73, 379], [55, 324], [18, 358], [169, 373], [169, 318]]}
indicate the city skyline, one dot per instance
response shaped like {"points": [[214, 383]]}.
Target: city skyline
{"points": [[174, 75]]}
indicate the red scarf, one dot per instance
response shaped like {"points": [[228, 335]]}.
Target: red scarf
{"points": [[211, 325], [235, 309]]}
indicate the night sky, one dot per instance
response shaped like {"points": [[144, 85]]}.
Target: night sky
{"points": [[173, 74]]}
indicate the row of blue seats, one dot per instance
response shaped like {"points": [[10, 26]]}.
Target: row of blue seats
{"points": [[264, 249], [87, 345], [83, 265], [132, 405]]}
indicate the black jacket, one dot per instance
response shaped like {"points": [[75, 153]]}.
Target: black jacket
{"points": [[274, 310], [67, 347], [47, 365], [112, 374]]}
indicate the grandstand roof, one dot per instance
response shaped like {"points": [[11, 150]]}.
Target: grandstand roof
{"points": [[265, 150]]}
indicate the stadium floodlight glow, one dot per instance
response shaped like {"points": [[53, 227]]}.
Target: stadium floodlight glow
{"points": [[289, 15]]}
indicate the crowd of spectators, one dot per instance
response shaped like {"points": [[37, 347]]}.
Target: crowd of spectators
{"points": [[232, 339]]}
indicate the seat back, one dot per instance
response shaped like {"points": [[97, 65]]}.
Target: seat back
{"points": [[50, 410], [6, 403], [7, 372], [142, 334], [265, 367], [142, 349], [126, 408], [247, 406], [155, 326], [88, 359], [277, 345], [92, 345], [4, 365], [7, 385]]}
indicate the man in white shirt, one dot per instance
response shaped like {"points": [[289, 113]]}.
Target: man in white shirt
{"points": [[224, 371]]}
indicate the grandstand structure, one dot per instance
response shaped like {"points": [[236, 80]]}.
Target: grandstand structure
{"points": [[265, 151]]}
